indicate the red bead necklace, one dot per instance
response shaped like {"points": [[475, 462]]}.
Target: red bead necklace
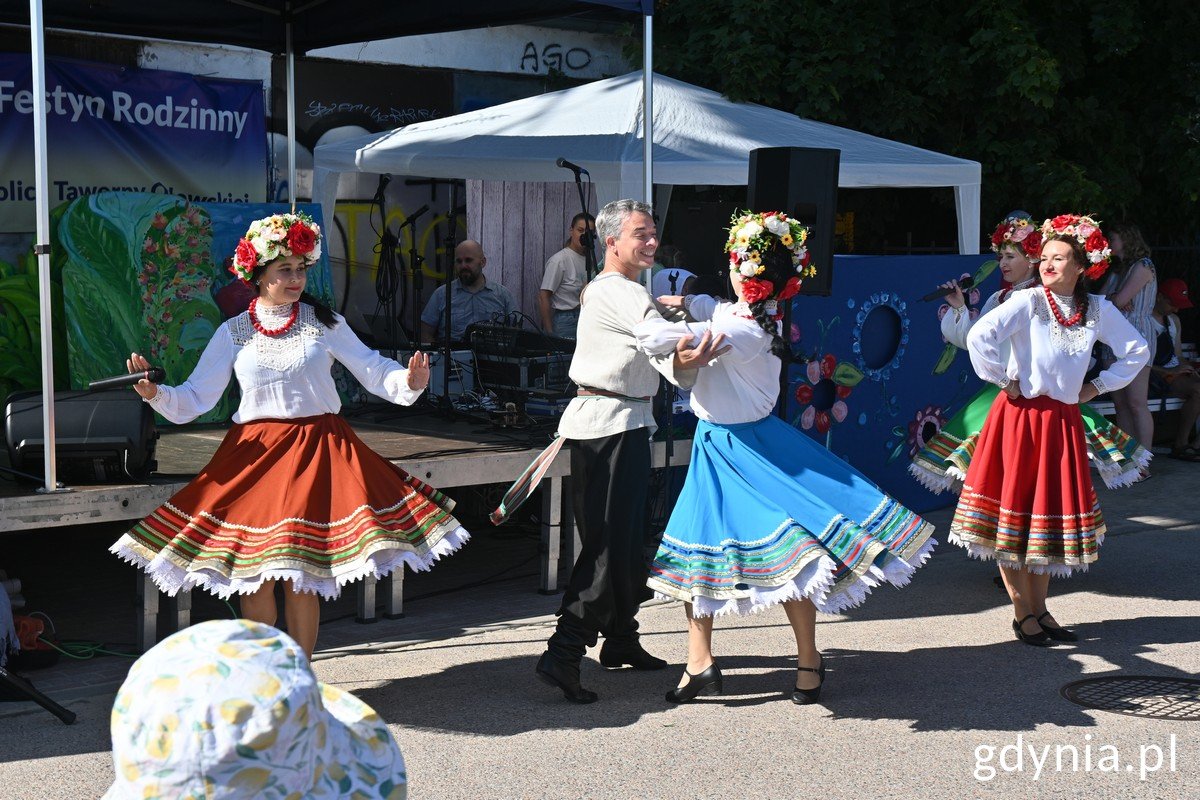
{"points": [[1075, 318], [265, 331]]}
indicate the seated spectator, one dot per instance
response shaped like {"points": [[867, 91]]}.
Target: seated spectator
{"points": [[668, 256], [672, 281], [1171, 376], [473, 298], [232, 709]]}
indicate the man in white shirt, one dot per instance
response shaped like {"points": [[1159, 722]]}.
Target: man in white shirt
{"points": [[563, 280], [473, 298], [607, 427]]}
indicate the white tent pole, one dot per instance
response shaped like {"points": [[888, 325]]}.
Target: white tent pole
{"points": [[648, 110], [967, 205], [291, 109], [648, 118], [41, 245]]}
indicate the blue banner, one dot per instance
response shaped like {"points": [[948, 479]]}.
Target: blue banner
{"points": [[119, 128]]}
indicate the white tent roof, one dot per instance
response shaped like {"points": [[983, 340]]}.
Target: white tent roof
{"points": [[699, 138]]}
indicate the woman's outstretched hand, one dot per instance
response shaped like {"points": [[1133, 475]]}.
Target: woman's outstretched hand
{"points": [[138, 363], [418, 371]]}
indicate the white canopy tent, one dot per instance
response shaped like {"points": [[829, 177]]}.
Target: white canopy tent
{"points": [[699, 138]]}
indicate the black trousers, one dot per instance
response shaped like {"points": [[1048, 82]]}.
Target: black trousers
{"points": [[608, 582]]}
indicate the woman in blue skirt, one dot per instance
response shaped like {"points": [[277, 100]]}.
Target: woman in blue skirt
{"points": [[767, 516]]}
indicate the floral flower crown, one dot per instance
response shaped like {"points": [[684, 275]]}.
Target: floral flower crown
{"points": [[1086, 231], [276, 236], [750, 235], [1019, 232]]}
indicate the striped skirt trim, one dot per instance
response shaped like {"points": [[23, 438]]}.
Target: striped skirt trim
{"points": [[299, 500]]}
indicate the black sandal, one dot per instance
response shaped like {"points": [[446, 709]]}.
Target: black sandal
{"points": [[1188, 453], [804, 697], [1058, 634], [1039, 639]]}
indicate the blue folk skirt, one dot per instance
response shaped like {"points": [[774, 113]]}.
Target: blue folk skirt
{"points": [[768, 515]]}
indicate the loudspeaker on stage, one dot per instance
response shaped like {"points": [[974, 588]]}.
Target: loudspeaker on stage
{"points": [[100, 437], [802, 182]]}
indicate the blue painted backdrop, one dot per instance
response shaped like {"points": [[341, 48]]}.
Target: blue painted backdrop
{"points": [[872, 377]]}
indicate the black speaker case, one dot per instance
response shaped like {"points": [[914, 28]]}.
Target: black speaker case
{"points": [[100, 437], [803, 183]]}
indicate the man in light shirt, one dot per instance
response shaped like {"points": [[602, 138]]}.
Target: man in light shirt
{"points": [[474, 298], [608, 427], [563, 280]]}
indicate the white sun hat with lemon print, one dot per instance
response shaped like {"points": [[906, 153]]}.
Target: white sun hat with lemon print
{"points": [[231, 709]]}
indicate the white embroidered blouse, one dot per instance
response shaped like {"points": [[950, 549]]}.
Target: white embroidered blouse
{"points": [[1047, 358], [741, 385], [281, 377], [608, 357]]}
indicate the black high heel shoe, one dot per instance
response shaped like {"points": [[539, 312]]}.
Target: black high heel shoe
{"points": [[707, 682], [804, 697], [1039, 639], [1058, 634]]}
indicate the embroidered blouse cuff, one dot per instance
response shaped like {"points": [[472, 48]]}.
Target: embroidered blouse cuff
{"points": [[1100, 387]]}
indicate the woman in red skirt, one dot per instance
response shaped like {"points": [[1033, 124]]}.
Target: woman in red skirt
{"points": [[291, 494], [1027, 499]]}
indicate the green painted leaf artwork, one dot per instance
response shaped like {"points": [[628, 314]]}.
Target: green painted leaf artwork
{"points": [[137, 277]]}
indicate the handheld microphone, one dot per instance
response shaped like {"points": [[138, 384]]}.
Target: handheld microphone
{"points": [[412, 218], [562, 162], [965, 283], [154, 375]]}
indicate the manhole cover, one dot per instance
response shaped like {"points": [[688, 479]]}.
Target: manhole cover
{"points": [[1138, 695]]}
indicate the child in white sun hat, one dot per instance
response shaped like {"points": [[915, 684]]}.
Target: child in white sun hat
{"points": [[231, 709]]}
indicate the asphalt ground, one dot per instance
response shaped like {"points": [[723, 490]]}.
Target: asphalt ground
{"points": [[928, 694]]}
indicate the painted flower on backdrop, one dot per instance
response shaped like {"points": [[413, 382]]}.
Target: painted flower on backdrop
{"points": [[972, 298], [926, 424], [880, 335], [823, 392]]}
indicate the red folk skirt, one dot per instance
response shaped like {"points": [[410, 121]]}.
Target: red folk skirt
{"points": [[301, 500], [1028, 499]]}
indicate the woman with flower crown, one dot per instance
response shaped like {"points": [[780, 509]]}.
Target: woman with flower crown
{"points": [[944, 460], [766, 515], [1042, 519], [291, 495]]}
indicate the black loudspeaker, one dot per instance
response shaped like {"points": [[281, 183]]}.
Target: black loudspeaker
{"points": [[99, 437], [802, 182]]}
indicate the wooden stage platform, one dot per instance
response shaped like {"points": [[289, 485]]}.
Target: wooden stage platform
{"points": [[444, 453]]}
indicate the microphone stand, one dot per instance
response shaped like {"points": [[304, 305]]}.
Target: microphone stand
{"points": [[414, 266], [786, 334], [444, 404], [589, 249], [385, 281]]}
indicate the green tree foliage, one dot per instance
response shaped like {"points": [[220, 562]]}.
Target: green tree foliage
{"points": [[1083, 106]]}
